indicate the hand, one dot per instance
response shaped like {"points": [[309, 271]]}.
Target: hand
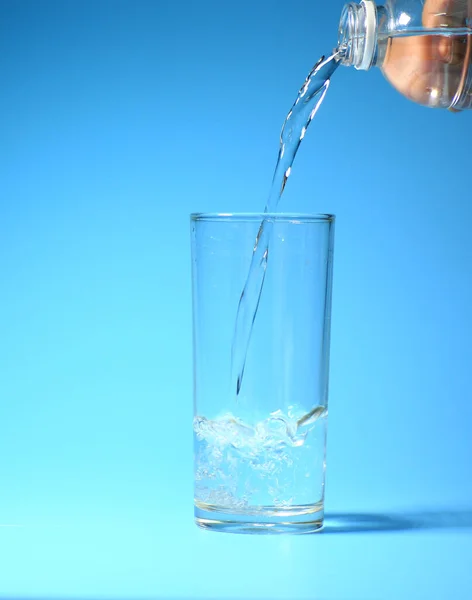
{"points": [[417, 66]]}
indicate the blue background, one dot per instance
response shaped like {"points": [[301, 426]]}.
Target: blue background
{"points": [[118, 119]]}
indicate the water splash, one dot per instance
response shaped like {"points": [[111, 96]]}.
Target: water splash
{"points": [[238, 463]]}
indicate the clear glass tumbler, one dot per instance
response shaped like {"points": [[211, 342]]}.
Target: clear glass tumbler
{"points": [[259, 454]]}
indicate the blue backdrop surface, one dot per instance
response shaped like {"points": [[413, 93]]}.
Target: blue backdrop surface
{"points": [[118, 119]]}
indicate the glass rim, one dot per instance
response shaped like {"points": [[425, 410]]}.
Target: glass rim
{"points": [[273, 216]]}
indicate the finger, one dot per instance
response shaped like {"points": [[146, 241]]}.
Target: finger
{"points": [[446, 13]]}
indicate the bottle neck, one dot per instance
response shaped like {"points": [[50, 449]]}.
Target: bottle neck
{"points": [[358, 35]]}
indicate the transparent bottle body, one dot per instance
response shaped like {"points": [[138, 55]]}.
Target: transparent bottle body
{"points": [[423, 47]]}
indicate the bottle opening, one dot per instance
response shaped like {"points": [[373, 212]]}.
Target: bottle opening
{"points": [[358, 33]]}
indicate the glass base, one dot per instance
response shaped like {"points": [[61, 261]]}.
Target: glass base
{"points": [[261, 519]]}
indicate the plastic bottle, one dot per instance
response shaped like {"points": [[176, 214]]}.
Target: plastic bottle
{"points": [[423, 47]]}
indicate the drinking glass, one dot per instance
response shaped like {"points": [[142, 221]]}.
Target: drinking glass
{"points": [[259, 455]]}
